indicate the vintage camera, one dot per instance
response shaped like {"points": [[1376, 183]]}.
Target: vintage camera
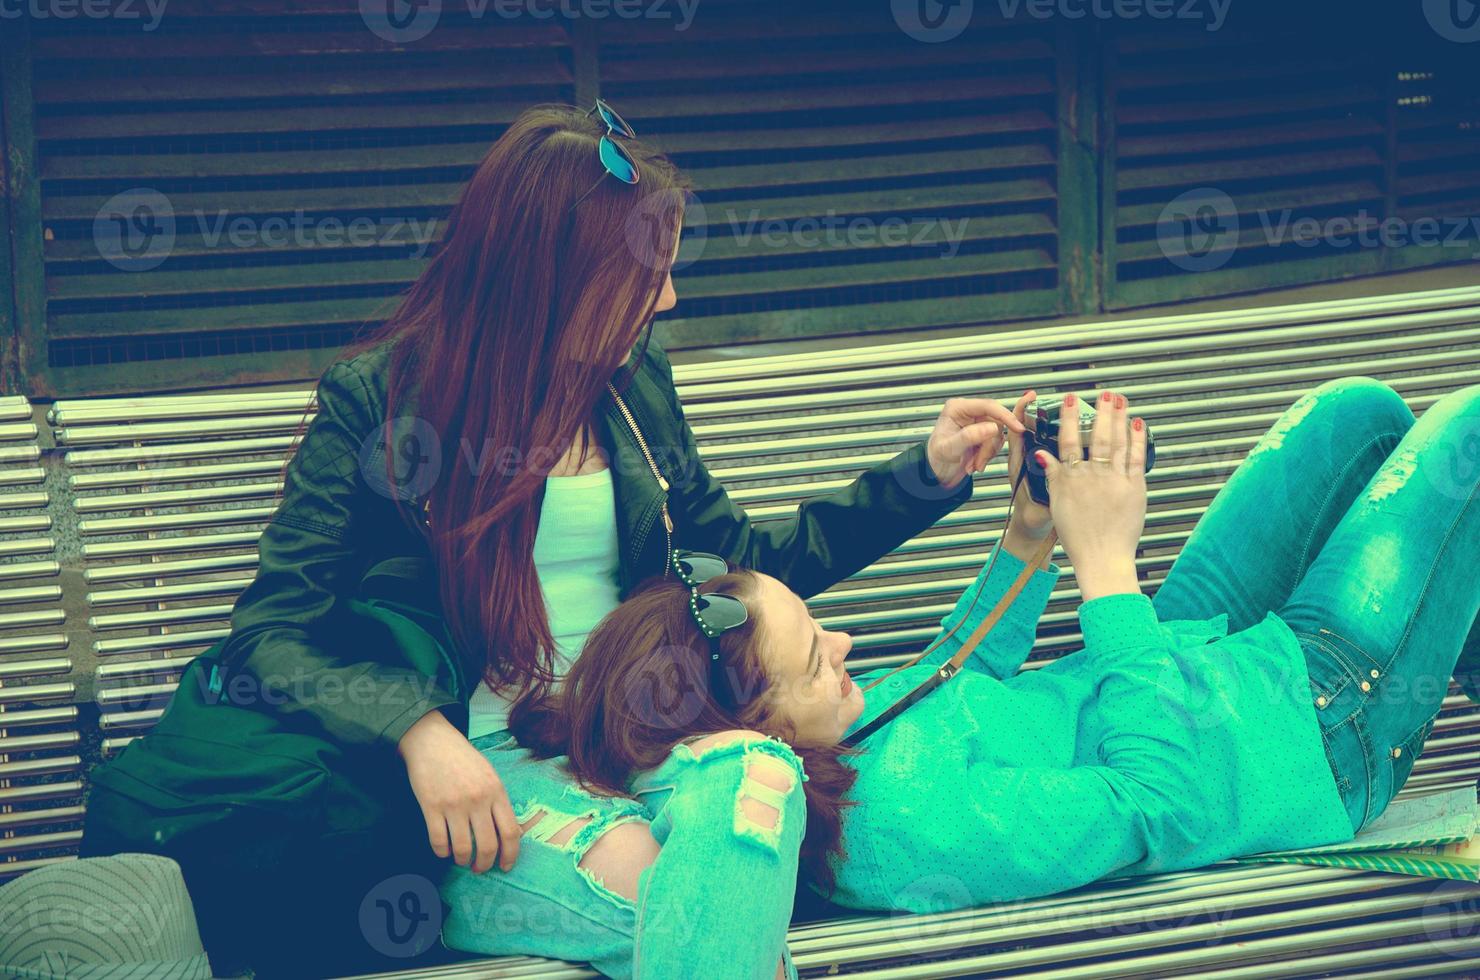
{"points": [[1043, 426]]}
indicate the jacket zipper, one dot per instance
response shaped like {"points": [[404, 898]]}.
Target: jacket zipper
{"points": [[642, 443]]}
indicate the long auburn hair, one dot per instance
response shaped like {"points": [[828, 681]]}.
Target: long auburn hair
{"points": [[641, 685], [547, 272]]}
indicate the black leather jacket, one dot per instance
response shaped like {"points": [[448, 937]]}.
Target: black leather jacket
{"points": [[333, 525]]}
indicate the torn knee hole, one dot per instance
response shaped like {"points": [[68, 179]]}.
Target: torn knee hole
{"points": [[550, 827], [762, 815], [762, 797], [615, 860], [562, 836]]}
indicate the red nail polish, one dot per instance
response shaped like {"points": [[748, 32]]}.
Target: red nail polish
{"points": [[1068, 399], [1136, 425], [1104, 396], [1120, 401]]}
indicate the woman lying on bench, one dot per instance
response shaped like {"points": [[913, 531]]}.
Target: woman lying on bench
{"points": [[1274, 694]]}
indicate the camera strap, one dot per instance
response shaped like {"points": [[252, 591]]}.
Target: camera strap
{"points": [[951, 667]]}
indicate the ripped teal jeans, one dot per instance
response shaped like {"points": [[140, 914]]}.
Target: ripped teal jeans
{"points": [[1360, 527], [720, 831]]}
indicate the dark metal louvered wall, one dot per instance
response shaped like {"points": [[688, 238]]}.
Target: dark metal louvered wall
{"points": [[1282, 153], [267, 122], [916, 184], [853, 177]]}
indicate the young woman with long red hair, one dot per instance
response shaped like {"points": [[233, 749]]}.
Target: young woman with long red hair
{"points": [[511, 426]]}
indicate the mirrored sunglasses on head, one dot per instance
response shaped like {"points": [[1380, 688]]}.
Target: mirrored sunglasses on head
{"points": [[617, 161]]}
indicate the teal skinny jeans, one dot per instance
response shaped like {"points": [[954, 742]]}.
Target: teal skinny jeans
{"points": [[1359, 527]]}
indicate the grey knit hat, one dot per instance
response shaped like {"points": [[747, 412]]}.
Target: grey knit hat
{"points": [[123, 917]]}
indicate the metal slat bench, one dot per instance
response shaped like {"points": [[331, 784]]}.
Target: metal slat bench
{"points": [[130, 526]]}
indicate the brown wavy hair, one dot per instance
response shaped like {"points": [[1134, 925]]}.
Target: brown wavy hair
{"points": [[547, 273], [641, 685]]}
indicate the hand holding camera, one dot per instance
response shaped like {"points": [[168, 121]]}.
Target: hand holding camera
{"points": [[1029, 514], [1096, 493], [1097, 508]]}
